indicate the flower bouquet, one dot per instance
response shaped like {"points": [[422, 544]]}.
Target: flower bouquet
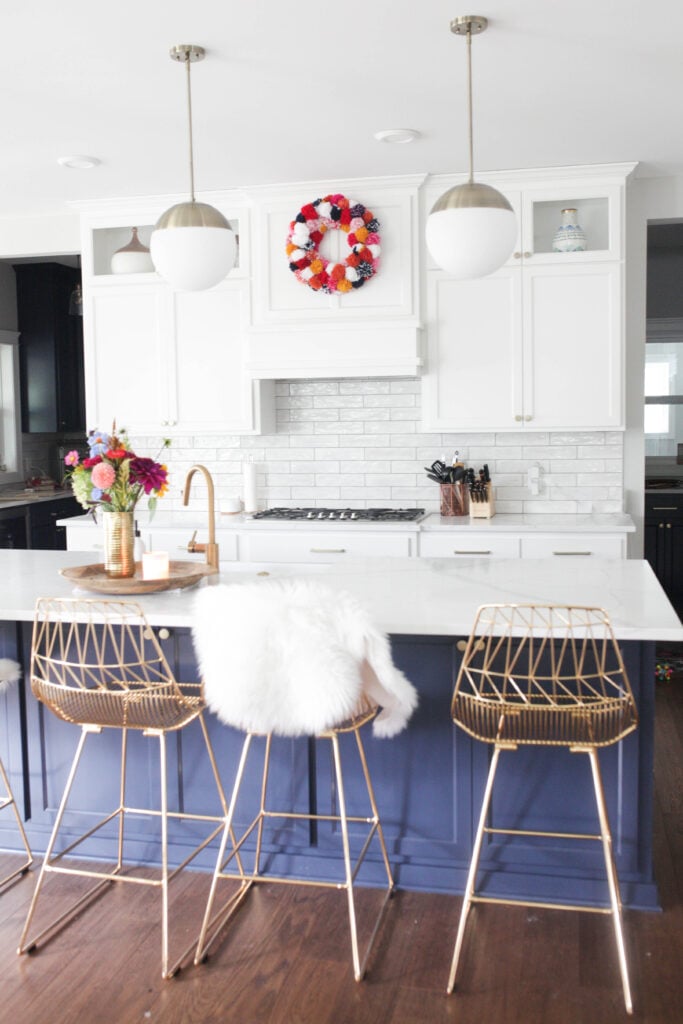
{"points": [[113, 479]]}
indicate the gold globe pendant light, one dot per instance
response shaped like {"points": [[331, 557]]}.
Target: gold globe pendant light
{"points": [[192, 245], [471, 229]]}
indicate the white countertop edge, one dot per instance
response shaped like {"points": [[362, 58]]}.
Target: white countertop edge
{"points": [[423, 597], [432, 523]]}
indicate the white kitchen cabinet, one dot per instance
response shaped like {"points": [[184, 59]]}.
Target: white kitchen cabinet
{"points": [[538, 345], [297, 332], [160, 361], [322, 545], [526, 348], [583, 545], [469, 544]]}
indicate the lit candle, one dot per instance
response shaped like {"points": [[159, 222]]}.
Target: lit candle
{"points": [[155, 565]]}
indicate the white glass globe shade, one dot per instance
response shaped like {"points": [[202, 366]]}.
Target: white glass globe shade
{"points": [[193, 258], [471, 241]]}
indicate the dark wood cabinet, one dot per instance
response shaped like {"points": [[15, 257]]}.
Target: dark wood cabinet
{"points": [[13, 528], [664, 542], [50, 349], [43, 530]]}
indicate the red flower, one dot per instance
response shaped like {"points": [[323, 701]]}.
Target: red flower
{"points": [[94, 461], [118, 453]]}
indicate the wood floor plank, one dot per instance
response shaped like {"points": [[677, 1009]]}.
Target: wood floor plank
{"points": [[285, 957]]}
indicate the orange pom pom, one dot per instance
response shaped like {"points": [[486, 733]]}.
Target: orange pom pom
{"points": [[361, 234], [343, 286], [290, 248], [316, 267], [337, 273], [315, 283]]}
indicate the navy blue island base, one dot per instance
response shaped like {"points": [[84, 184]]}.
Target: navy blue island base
{"points": [[428, 783]]}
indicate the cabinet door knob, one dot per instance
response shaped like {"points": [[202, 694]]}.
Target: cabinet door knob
{"points": [[518, 419], [517, 255], [527, 418], [527, 255], [478, 645], [668, 526], [164, 633]]}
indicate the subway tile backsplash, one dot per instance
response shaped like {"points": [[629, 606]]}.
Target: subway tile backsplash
{"points": [[358, 443]]}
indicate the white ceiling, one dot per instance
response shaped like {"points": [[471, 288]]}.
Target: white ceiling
{"points": [[293, 91]]}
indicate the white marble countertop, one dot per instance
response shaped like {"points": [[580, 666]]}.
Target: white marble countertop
{"points": [[419, 596], [506, 522], [501, 523]]}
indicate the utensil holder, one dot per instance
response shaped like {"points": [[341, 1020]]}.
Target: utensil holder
{"points": [[455, 499], [483, 509]]}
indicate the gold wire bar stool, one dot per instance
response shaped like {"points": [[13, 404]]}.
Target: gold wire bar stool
{"points": [[98, 664], [10, 672], [545, 675], [301, 654]]}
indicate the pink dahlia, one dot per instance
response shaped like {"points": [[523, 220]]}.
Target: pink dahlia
{"points": [[103, 475]]}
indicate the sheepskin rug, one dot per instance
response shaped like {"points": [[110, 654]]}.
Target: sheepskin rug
{"points": [[10, 672], [293, 657]]}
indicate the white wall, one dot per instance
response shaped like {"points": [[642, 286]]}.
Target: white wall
{"points": [[39, 236]]}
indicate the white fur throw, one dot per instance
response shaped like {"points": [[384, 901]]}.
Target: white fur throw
{"points": [[10, 672], [293, 657]]}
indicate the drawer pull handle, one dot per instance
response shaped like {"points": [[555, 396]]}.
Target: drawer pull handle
{"points": [[457, 551], [572, 552], [328, 551], [478, 646], [665, 508]]}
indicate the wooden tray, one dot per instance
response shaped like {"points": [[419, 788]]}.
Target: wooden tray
{"points": [[180, 575]]}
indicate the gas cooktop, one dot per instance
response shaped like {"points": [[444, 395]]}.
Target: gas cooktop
{"points": [[347, 515]]}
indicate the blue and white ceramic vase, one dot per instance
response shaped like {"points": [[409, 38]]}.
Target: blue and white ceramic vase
{"points": [[569, 237]]}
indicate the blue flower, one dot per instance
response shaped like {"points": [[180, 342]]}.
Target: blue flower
{"points": [[98, 442]]}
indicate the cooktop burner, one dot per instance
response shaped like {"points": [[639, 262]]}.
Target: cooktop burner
{"points": [[351, 515]]}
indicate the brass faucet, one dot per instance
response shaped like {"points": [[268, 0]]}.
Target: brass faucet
{"points": [[211, 548]]}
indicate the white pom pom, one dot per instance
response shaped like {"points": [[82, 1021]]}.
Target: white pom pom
{"points": [[298, 254], [375, 250], [324, 209], [352, 274], [306, 274]]}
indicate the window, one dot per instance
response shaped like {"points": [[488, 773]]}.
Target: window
{"points": [[663, 387], [10, 436]]}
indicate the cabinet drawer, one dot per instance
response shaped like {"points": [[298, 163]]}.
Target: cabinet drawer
{"points": [[176, 541], [662, 507], [454, 545], [320, 547], [583, 546]]}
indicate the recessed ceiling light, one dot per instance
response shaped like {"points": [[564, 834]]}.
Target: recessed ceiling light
{"points": [[78, 162], [397, 136]]}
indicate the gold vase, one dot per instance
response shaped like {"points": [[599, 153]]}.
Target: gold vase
{"points": [[119, 539]]}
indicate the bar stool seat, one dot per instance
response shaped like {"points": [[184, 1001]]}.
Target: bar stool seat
{"points": [[544, 675], [10, 673], [99, 665], [293, 658]]}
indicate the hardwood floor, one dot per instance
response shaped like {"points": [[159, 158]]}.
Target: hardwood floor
{"points": [[286, 959]]}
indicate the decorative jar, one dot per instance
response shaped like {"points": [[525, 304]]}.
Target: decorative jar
{"points": [[570, 236], [455, 499], [119, 541]]}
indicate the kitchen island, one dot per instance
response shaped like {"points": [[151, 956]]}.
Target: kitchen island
{"points": [[429, 779]]}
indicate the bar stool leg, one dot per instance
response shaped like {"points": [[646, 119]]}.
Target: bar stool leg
{"points": [[612, 880], [9, 801], [472, 874], [204, 941], [348, 874]]}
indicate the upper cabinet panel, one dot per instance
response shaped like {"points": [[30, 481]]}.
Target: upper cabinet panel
{"points": [[392, 292]]}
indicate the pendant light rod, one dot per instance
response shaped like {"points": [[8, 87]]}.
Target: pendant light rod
{"points": [[469, 25], [189, 54]]}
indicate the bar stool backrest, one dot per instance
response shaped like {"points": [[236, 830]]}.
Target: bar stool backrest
{"points": [[546, 674], [100, 662]]}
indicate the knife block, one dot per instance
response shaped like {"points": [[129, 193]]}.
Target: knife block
{"points": [[484, 509]]}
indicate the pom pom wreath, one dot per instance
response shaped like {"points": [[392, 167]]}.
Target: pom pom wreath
{"points": [[306, 233]]}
